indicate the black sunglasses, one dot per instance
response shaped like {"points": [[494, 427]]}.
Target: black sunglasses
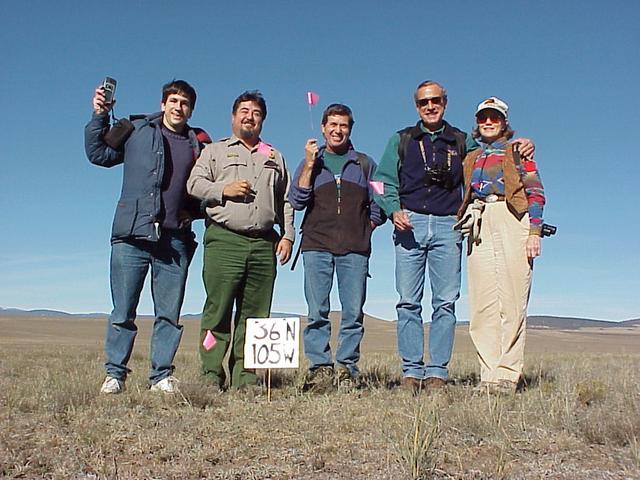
{"points": [[489, 114], [423, 102]]}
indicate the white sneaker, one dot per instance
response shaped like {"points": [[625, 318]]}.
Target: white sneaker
{"points": [[166, 385], [112, 386]]}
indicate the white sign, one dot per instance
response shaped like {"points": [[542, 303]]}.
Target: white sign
{"points": [[272, 343]]}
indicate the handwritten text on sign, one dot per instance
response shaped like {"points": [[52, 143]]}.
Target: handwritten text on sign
{"points": [[272, 343]]}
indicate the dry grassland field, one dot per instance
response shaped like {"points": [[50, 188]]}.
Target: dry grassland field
{"points": [[579, 417]]}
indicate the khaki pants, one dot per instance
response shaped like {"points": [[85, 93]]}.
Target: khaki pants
{"points": [[499, 275]]}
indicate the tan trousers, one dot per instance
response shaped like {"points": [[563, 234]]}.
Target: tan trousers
{"points": [[499, 276]]}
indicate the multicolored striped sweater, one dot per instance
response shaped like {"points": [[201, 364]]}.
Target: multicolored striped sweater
{"points": [[487, 178]]}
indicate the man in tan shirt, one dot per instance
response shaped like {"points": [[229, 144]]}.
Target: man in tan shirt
{"points": [[243, 183]]}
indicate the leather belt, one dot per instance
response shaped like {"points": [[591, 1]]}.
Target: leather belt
{"points": [[247, 233], [254, 233]]}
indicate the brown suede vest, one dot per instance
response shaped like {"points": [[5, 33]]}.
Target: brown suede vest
{"points": [[513, 188]]}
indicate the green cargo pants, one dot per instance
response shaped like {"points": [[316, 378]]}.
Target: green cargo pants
{"points": [[240, 271]]}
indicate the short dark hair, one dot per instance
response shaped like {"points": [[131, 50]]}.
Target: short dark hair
{"points": [[179, 87], [338, 109], [251, 96], [428, 83]]}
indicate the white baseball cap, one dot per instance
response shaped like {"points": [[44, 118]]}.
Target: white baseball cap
{"points": [[494, 103]]}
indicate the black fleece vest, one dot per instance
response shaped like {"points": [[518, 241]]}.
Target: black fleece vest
{"points": [[415, 195]]}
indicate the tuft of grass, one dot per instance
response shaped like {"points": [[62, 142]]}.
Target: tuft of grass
{"points": [[417, 443]]}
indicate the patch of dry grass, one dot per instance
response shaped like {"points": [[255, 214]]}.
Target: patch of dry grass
{"points": [[578, 418]]}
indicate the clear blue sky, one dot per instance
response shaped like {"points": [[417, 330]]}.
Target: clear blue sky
{"points": [[569, 71]]}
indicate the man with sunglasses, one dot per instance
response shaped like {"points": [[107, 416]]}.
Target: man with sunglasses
{"points": [[420, 178]]}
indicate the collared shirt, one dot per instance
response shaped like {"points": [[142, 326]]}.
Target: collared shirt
{"points": [[230, 160]]}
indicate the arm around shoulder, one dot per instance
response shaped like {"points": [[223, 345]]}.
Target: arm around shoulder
{"points": [[470, 143]]}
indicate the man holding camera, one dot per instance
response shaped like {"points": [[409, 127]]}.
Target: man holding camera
{"points": [[243, 183], [151, 228], [421, 170]]}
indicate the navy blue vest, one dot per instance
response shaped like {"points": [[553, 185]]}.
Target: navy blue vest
{"points": [[415, 195]]}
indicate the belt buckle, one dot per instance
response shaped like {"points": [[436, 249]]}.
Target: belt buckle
{"points": [[492, 198]]}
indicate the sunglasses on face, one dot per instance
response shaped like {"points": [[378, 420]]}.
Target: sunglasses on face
{"points": [[492, 115], [423, 102]]}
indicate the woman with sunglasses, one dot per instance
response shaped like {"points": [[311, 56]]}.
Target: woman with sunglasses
{"points": [[502, 212]]}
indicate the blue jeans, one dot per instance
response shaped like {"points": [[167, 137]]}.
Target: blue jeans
{"points": [[130, 260], [351, 270], [432, 242]]}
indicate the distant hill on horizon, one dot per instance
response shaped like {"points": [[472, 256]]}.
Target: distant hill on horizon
{"points": [[533, 321]]}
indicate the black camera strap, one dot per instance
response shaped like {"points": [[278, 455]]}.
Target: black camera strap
{"points": [[424, 156]]}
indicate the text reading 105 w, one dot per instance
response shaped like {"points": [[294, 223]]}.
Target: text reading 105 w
{"points": [[272, 343]]}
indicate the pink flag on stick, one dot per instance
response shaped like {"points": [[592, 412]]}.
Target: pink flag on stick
{"points": [[209, 341], [312, 98]]}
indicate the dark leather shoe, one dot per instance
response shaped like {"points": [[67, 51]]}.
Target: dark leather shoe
{"points": [[414, 385]]}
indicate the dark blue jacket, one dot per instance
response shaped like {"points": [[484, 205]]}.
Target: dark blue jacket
{"points": [[139, 205], [326, 227]]}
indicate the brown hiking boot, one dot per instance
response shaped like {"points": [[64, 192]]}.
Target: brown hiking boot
{"points": [[411, 384], [319, 380], [435, 383], [345, 382]]}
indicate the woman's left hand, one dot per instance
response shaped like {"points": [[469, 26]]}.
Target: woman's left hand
{"points": [[533, 246]]}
